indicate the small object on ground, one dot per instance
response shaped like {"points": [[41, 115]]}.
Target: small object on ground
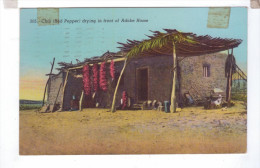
{"points": [[178, 109], [160, 104], [214, 102], [166, 106], [129, 102], [149, 103], [160, 108], [144, 105], [224, 109], [188, 99], [154, 104]]}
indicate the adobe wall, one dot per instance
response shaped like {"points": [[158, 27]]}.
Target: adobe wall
{"points": [[53, 89], [159, 77], [192, 73]]}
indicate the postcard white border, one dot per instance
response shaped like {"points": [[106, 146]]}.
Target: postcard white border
{"points": [[9, 89]]}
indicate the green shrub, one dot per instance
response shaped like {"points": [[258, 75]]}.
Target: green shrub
{"points": [[239, 96], [29, 106]]}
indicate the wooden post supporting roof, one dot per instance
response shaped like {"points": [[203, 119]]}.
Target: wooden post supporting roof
{"points": [[113, 108], [63, 91], [80, 101], [173, 95]]}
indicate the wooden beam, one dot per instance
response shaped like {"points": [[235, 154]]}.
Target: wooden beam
{"points": [[173, 96], [79, 67]]}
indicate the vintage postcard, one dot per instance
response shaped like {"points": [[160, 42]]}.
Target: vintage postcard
{"points": [[133, 81]]}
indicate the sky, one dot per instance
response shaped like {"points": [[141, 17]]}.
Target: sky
{"points": [[68, 42]]}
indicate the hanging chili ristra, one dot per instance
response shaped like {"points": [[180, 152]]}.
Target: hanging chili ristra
{"points": [[86, 80], [112, 69], [95, 77], [102, 77], [124, 99]]}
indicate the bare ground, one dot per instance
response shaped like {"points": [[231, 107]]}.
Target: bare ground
{"points": [[96, 131]]}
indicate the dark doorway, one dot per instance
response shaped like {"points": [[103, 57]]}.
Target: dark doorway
{"points": [[142, 84]]}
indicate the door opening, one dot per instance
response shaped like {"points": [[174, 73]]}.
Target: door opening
{"points": [[142, 84]]}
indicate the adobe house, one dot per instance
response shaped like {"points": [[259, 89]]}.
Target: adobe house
{"points": [[148, 70]]}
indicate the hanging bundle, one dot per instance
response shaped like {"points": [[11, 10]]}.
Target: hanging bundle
{"points": [[124, 100], [112, 69], [95, 77], [102, 77], [230, 64], [86, 80]]}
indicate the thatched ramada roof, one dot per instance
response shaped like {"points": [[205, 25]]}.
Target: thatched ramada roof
{"points": [[192, 45]]}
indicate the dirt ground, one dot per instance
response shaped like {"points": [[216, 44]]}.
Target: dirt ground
{"points": [[96, 131]]}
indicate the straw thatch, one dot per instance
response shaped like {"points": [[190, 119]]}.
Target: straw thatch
{"points": [[187, 44]]}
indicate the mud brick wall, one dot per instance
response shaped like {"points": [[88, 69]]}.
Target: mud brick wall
{"points": [[192, 73], [159, 77], [53, 89]]}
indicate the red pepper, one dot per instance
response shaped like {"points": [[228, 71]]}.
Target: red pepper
{"points": [[86, 80], [95, 77], [102, 77], [112, 69], [124, 98]]}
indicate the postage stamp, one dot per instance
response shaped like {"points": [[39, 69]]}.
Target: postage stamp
{"points": [[218, 17], [47, 16]]}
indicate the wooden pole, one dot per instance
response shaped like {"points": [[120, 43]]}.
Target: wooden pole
{"points": [[52, 64], [229, 80], [63, 90], [173, 96], [80, 101], [113, 109], [43, 100]]}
